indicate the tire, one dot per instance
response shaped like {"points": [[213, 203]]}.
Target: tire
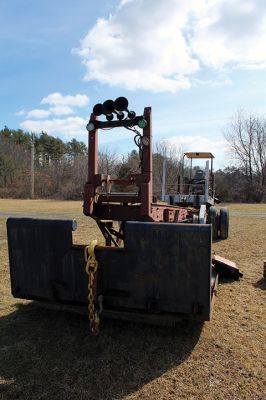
{"points": [[212, 219], [224, 223]]}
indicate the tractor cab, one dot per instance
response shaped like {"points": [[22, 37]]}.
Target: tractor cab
{"points": [[196, 183]]}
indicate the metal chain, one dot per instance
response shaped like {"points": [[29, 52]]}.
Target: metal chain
{"points": [[91, 270]]}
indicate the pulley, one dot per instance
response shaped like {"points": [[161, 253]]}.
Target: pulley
{"points": [[121, 104]]}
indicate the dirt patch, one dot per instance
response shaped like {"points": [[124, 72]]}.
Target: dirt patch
{"points": [[47, 354]]}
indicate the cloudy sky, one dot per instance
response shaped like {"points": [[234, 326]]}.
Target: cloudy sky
{"points": [[196, 62]]}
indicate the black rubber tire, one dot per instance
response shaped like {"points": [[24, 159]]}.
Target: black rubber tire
{"points": [[213, 219], [224, 223]]}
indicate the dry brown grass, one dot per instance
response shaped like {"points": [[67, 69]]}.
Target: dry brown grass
{"points": [[48, 354], [248, 208]]}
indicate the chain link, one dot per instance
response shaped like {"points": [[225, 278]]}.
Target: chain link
{"points": [[91, 270]]}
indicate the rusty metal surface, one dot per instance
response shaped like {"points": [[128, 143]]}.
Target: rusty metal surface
{"points": [[92, 207], [116, 197], [5, 214], [100, 203]]}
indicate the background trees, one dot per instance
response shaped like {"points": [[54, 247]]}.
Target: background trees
{"points": [[14, 162], [246, 136], [61, 168]]}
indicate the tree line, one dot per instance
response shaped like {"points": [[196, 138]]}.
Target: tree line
{"points": [[60, 168]]}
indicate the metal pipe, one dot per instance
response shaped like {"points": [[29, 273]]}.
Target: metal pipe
{"points": [[92, 152], [32, 153], [163, 179]]}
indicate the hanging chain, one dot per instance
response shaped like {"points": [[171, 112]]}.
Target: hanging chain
{"points": [[91, 270]]}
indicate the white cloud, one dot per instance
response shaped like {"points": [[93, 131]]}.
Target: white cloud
{"points": [[196, 143], [160, 45], [218, 147], [38, 113], [225, 81], [231, 33], [57, 99], [141, 46], [40, 119], [71, 126], [61, 110]]}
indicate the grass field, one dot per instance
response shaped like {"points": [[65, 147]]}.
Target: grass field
{"points": [[48, 354]]}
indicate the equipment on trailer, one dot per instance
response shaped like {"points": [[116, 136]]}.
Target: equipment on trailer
{"points": [[156, 265], [198, 190], [195, 186]]}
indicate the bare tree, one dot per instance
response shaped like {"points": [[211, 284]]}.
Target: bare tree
{"points": [[107, 162], [246, 136], [169, 158]]}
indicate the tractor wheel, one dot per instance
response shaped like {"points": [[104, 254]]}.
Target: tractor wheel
{"points": [[212, 218], [224, 223]]}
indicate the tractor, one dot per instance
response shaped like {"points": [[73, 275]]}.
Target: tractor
{"points": [[198, 190], [156, 265]]}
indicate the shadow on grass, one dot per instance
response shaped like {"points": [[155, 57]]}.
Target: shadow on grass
{"points": [[261, 284], [225, 281], [46, 354]]}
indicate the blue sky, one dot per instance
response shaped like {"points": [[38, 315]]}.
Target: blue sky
{"points": [[195, 62]]}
